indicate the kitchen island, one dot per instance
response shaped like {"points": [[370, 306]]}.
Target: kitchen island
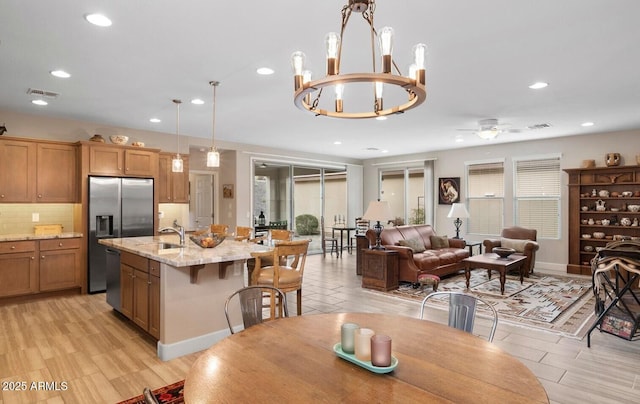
{"points": [[194, 283]]}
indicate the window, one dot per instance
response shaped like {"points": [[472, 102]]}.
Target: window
{"points": [[404, 189], [485, 196], [537, 195]]}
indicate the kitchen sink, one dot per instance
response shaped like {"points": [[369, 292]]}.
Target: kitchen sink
{"points": [[166, 246]]}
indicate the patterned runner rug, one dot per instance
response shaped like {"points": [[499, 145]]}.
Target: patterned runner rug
{"points": [[555, 303], [171, 394]]}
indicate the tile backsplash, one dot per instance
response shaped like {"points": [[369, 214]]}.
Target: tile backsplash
{"points": [[17, 218]]}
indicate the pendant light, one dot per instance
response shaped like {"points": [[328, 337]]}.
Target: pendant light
{"points": [[177, 165], [213, 156]]}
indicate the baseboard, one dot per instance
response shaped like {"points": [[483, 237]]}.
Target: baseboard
{"points": [[551, 267], [171, 351]]}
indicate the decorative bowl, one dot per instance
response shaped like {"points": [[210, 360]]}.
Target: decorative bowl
{"points": [[586, 236], [207, 240], [503, 252], [137, 144], [588, 248], [598, 234], [96, 138], [119, 139], [633, 208], [615, 209]]}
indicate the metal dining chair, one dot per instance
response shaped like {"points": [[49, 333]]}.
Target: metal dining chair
{"points": [[333, 241], [251, 304], [462, 311]]}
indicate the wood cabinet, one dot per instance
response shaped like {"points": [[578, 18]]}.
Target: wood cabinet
{"points": [[380, 269], [172, 187], [37, 171], [18, 268], [60, 266], [140, 291], [122, 161], [599, 200], [56, 173]]}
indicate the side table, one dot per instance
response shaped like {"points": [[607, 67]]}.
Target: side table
{"points": [[471, 244], [380, 269]]}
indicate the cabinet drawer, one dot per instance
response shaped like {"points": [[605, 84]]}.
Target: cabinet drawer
{"points": [[154, 268], [17, 246], [135, 261], [60, 244]]}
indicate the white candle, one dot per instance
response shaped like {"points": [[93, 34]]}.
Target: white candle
{"points": [[363, 343]]}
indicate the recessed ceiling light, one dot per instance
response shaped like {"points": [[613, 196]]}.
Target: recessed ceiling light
{"points": [[381, 118], [538, 85], [264, 71], [587, 124], [337, 142], [384, 151], [98, 19], [197, 101], [459, 139], [39, 102], [155, 120], [60, 73]]}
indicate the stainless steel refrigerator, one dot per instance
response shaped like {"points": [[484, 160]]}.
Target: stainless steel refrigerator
{"points": [[118, 207]]}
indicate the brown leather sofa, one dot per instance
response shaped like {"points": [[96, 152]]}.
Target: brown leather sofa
{"points": [[411, 263], [523, 240]]}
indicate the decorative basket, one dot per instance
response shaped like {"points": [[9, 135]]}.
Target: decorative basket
{"points": [[207, 240], [119, 139]]}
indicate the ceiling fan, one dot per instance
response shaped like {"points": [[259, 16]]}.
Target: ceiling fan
{"points": [[490, 128]]}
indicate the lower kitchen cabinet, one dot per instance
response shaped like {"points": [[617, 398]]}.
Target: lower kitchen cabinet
{"points": [[18, 268], [140, 292], [34, 266], [60, 264]]}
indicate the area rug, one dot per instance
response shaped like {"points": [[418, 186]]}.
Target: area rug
{"points": [[171, 394], [560, 304]]}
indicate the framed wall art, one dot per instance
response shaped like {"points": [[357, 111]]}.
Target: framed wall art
{"points": [[227, 191], [448, 190]]}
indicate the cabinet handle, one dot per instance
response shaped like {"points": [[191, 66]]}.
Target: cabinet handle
{"points": [[13, 247], [32, 258], [148, 282], [39, 195], [60, 245], [42, 256], [2, 195]]}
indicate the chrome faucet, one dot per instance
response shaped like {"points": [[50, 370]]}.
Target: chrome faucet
{"points": [[175, 229]]}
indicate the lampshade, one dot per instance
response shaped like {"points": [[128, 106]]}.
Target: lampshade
{"points": [[458, 210], [378, 211]]}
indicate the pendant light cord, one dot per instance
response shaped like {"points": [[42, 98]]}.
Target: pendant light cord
{"points": [[213, 84]]}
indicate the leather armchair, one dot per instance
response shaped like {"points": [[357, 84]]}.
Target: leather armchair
{"points": [[518, 233]]}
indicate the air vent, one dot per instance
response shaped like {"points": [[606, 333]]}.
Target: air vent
{"points": [[42, 93], [539, 126], [372, 148]]}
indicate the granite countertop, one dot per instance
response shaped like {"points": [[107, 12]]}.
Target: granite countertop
{"points": [[31, 236], [190, 254]]}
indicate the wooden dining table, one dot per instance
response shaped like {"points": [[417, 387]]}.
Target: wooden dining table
{"points": [[292, 360]]}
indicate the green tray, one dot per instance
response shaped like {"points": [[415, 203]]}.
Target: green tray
{"points": [[337, 348]]}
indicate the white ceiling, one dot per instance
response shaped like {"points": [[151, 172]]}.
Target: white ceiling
{"points": [[482, 56]]}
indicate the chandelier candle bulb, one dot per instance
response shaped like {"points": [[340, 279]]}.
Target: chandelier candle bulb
{"points": [[347, 337], [297, 63], [381, 350], [332, 42], [386, 48], [363, 343]]}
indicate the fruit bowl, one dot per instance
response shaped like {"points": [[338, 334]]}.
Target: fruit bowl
{"points": [[119, 139], [207, 240], [503, 252]]}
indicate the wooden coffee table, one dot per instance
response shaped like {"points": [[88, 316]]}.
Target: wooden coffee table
{"points": [[492, 262]]}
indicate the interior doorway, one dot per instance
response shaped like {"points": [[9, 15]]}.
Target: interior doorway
{"points": [[202, 208]]}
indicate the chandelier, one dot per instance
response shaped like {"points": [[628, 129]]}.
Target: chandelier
{"points": [[177, 165], [213, 156], [308, 92]]}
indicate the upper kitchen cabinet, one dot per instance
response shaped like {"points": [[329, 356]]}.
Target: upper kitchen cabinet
{"points": [[37, 171], [17, 170], [173, 187], [122, 161], [57, 173]]}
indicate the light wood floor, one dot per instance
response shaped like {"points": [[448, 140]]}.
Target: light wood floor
{"points": [[96, 357]]}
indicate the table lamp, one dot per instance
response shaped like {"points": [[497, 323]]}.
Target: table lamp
{"points": [[458, 210], [378, 211]]}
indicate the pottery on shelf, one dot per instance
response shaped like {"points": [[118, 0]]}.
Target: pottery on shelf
{"points": [[598, 234], [97, 138], [119, 139], [503, 252], [612, 159], [625, 221], [633, 208], [600, 205], [603, 193]]}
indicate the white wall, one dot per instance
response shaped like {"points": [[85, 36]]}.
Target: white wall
{"points": [[553, 254]]}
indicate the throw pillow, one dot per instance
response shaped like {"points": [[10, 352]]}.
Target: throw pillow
{"points": [[414, 243], [516, 244], [439, 242]]}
